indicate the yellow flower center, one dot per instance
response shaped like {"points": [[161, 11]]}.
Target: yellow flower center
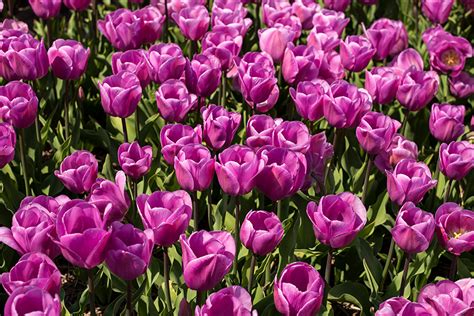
{"points": [[450, 57], [457, 234]]}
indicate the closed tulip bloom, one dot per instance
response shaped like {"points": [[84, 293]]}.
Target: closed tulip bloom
{"points": [[376, 131], [319, 153], [135, 160], [337, 219], [51, 204], [299, 291], [232, 300], [444, 298], [283, 173], [417, 89], [388, 37], [152, 20], [193, 21], [174, 101], [356, 52], [301, 63], [32, 300], [23, 57], [273, 41], [305, 10], [207, 258], [122, 29], [220, 126], [400, 148], [174, 136], [274, 11], [261, 232], [337, 5], [134, 61], [167, 214], [461, 86], [455, 228], [18, 104], [251, 58], [81, 233], [7, 144], [437, 11], [259, 130], [165, 61], [45, 9], [231, 19], [68, 59], [203, 74], [328, 20], [447, 121], [409, 182], [110, 198], [292, 135], [33, 269], [456, 160], [129, 251], [392, 306], [120, 94], [310, 98], [407, 59], [77, 5], [224, 43], [331, 68], [324, 41], [78, 171], [347, 106], [194, 167], [382, 84], [414, 229]]}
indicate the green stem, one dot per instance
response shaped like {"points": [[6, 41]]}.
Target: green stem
{"points": [[253, 261], [166, 272], [209, 204], [405, 122], [199, 298], [10, 8], [134, 199], [129, 298], [236, 231], [404, 276], [327, 272], [447, 190], [366, 178], [387, 263], [330, 163], [166, 37], [268, 271], [257, 18], [37, 131], [90, 282], [49, 31], [195, 211], [279, 209], [124, 127], [137, 125], [66, 108], [224, 87], [21, 137], [454, 268]]}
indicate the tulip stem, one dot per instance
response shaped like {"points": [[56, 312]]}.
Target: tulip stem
{"points": [[416, 14], [66, 108], [199, 297], [195, 211], [327, 272], [405, 274], [49, 29], [166, 39], [279, 209], [257, 19], [90, 282], [166, 274], [129, 298], [137, 125], [387, 263], [253, 261], [21, 137], [366, 178], [447, 190], [10, 8], [236, 231], [134, 201], [224, 87], [454, 268], [405, 122], [124, 127]]}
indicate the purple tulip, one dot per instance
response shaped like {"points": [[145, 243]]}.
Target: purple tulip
{"points": [[174, 136], [167, 214], [165, 61], [376, 131], [392, 306], [347, 106], [273, 41], [77, 5], [174, 101], [134, 160], [444, 298], [331, 68], [382, 84], [447, 121], [223, 19], [23, 57], [110, 198], [18, 104], [225, 44], [324, 41], [337, 5], [45, 9], [134, 61], [262, 59], [456, 160], [305, 10], [203, 74], [414, 229], [51, 204], [319, 153], [7, 144], [129, 251], [417, 89], [400, 148], [120, 94], [13, 25], [293, 135], [299, 290], [152, 20], [455, 228], [32, 300], [406, 60], [409, 182], [325, 21], [193, 21], [337, 219], [260, 131], [81, 233], [219, 126], [78, 171], [437, 11], [356, 53], [194, 167], [461, 86], [68, 59], [283, 173], [310, 97], [207, 257], [274, 11], [388, 37], [261, 232], [232, 300], [301, 63], [122, 29], [33, 269]]}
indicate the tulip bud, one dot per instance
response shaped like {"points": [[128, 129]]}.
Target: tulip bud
{"points": [[417, 89], [194, 167], [447, 121], [77, 5], [382, 84], [45, 9], [78, 171], [233, 300], [388, 37], [293, 135], [134, 160], [193, 21], [68, 59], [174, 101], [437, 11], [220, 126], [274, 40], [310, 97], [376, 131], [456, 160], [120, 94], [165, 61], [134, 61], [174, 136], [261, 232], [203, 74], [18, 104]]}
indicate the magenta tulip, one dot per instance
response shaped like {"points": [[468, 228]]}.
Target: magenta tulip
{"points": [[78, 171], [293, 135], [174, 136], [376, 131], [331, 68], [388, 37], [356, 53], [437, 11], [134, 61], [224, 43], [194, 167], [68, 59], [260, 131], [325, 21], [310, 98], [135, 160], [400, 148], [152, 20], [462, 86], [165, 61], [219, 126], [203, 74], [406, 60], [18, 104], [233, 300], [382, 84], [174, 101], [77, 5], [319, 153], [447, 121], [122, 29], [455, 228], [274, 40], [261, 232], [45, 9], [417, 89], [32, 300], [337, 5], [305, 10], [301, 63], [444, 298], [7, 144], [193, 21], [392, 306], [456, 159], [120, 94]]}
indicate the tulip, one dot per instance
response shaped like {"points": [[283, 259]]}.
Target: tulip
{"points": [[273, 41], [167, 214], [78, 171], [456, 160], [194, 167], [305, 10], [337, 219], [417, 89], [51, 204], [122, 29], [376, 131], [310, 98], [273, 11], [260, 131], [347, 106], [203, 74], [225, 44], [299, 291], [337, 5], [392, 306], [45, 9], [317, 157], [174, 101], [120, 94], [220, 126], [134, 160], [400, 148], [193, 21], [388, 37], [382, 84], [232, 19], [324, 41], [110, 198], [455, 228], [250, 59], [13, 25], [409, 182], [81, 234], [233, 300], [406, 60], [402, 308], [68, 59], [134, 61], [7, 144], [462, 86], [325, 21], [447, 121], [331, 68], [129, 251], [261, 232], [77, 5], [18, 104], [152, 20], [437, 11], [293, 135], [165, 61], [283, 173], [207, 258], [301, 63], [174, 136], [32, 300], [356, 53], [33, 269], [444, 298]]}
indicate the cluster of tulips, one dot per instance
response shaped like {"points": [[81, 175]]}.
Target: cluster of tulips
{"points": [[303, 63]]}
